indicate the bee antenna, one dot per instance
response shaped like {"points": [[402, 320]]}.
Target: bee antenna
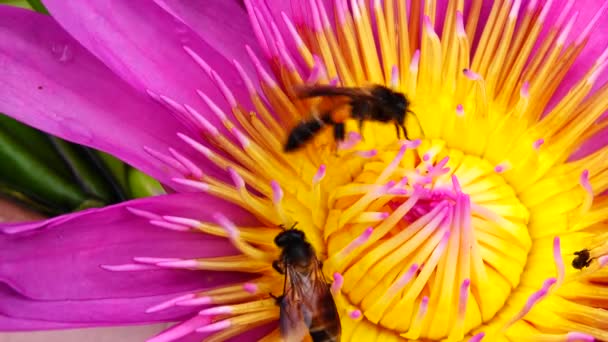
{"points": [[282, 226], [294, 225]]}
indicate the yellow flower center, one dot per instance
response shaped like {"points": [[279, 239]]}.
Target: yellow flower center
{"points": [[459, 234]]}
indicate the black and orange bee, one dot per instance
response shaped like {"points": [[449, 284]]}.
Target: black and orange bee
{"points": [[307, 306], [375, 103]]}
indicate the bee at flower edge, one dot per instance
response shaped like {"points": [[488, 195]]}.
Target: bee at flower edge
{"points": [[306, 305]]}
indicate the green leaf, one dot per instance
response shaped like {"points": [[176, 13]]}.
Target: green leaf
{"points": [[142, 185], [23, 172], [38, 6], [85, 171]]}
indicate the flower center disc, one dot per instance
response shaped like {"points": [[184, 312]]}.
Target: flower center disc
{"points": [[427, 242]]}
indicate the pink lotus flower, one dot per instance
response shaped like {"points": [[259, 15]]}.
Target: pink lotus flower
{"points": [[466, 233]]}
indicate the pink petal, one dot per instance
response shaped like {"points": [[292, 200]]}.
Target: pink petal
{"points": [[54, 274], [51, 82], [144, 44], [222, 24]]}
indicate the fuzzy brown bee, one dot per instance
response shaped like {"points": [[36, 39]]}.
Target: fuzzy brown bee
{"points": [[583, 259], [307, 305], [376, 103]]}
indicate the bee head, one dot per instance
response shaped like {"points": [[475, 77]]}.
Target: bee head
{"points": [[289, 237]]}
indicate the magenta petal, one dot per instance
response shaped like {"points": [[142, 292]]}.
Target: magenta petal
{"points": [[223, 24], [51, 82], [54, 272], [144, 44]]}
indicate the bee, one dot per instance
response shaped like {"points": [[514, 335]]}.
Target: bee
{"points": [[583, 259], [307, 305], [375, 103]]}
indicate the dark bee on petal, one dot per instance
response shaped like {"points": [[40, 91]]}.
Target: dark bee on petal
{"points": [[307, 306]]}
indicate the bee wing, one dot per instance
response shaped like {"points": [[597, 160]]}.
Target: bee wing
{"points": [[295, 317], [326, 320]]}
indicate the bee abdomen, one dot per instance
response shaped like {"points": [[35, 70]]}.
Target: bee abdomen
{"points": [[305, 131], [323, 336]]}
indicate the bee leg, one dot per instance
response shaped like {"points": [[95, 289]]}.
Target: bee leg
{"points": [[398, 130], [277, 266], [339, 131], [277, 299], [404, 132], [361, 129]]}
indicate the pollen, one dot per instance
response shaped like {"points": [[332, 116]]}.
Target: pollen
{"points": [[464, 232]]}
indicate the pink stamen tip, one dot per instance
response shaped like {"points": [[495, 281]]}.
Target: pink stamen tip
{"points": [[195, 301], [415, 60], [259, 68], [478, 337], [194, 170], [514, 10], [525, 90], [195, 144], [214, 107], [368, 154], [585, 182], [337, 284], [355, 314], [426, 157], [197, 58], [221, 325], [559, 261], [460, 30], [603, 260], [228, 225], [248, 83], [428, 24], [250, 288], [238, 181], [412, 144], [193, 184], [561, 39], [317, 72], [334, 81], [341, 12], [407, 276], [127, 267], [316, 18], [277, 192], [169, 303], [170, 226], [143, 213], [182, 220], [166, 160], [464, 295], [201, 121], [226, 92], [292, 29], [187, 264], [355, 9], [151, 260], [545, 10], [384, 215], [531, 6], [538, 143], [590, 26], [243, 140], [320, 174], [394, 76], [460, 110], [218, 310], [172, 104], [564, 12], [456, 184], [473, 76], [578, 337]]}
